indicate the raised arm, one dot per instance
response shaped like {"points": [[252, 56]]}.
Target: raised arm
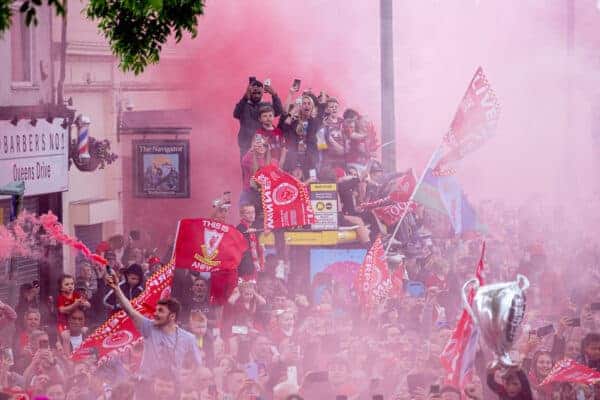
{"points": [[113, 282]]}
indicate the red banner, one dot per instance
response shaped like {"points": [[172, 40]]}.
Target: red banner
{"points": [[458, 356], [118, 334], [374, 282], [208, 246], [285, 200], [474, 123], [568, 370]]}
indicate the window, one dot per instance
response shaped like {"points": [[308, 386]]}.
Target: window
{"points": [[20, 47]]}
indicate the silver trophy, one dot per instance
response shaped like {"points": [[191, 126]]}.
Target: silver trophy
{"points": [[498, 311]]}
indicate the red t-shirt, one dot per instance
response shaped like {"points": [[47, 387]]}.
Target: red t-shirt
{"points": [[275, 139], [64, 301]]}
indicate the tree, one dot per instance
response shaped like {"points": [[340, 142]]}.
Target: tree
{"points": [[135, 29]]}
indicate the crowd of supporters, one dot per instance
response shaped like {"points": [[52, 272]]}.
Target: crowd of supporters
{"points": [[278, 336]]}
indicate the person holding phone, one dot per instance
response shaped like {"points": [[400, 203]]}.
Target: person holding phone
{"points": [[247, 111], [300, 131]]}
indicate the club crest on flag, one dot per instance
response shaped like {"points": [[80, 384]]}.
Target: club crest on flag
{"points": [[285, 194], [117, 339], [210, 248]]}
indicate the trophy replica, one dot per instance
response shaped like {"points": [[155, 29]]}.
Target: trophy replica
{"points": [[498, 311]]}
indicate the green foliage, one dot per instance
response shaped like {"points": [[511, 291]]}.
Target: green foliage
{"points": [[28, 9], [5, 15], [138, 29], [135, 29]]}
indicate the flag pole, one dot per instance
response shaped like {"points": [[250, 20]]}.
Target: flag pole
{"points": [[412, 195]]}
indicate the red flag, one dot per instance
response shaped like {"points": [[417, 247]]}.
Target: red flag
{"points": [[285, 200], [208, 246], [474, 123], [118, 334], [390, 209], [374, 282], [391, 214], [568, 370], [458, 356]]}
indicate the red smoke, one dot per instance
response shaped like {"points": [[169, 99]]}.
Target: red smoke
{"points": [[331, 46]]}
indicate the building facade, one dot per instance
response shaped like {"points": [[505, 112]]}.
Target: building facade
{"points": [[34, 142]]}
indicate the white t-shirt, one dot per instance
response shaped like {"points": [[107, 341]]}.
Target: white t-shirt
{"points": [[76, 341]]}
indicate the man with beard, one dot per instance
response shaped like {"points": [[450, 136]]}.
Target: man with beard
{"points": [[247, 112], [166, 345]]}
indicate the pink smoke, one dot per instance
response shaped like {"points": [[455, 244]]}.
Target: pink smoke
{"points": [[55, 230], [24, 237]]}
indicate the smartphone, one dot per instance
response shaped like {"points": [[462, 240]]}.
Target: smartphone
{"points": [[134, 235], [44, 344], [595, 306], [267, 82], [545, 330], [239, 330], [216, 332], [299, 101], [296, 84], [575, 322], [312, 173], [434, 389]]}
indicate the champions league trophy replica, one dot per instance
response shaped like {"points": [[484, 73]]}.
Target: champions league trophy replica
{"points": [[498, 310]]}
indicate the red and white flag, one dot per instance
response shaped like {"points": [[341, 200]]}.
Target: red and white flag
{"points": [[206, 245], [474, 123], [118, 334], [374, 282], [285, 200], [390, 214], [393, 206], [568, 370], [458, 356]]}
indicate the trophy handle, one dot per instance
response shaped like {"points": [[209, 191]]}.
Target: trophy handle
{"points": [[522, 282], [465, 301]]}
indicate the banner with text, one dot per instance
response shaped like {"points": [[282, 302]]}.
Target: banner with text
{"points": [[285, 200], [206, 245], [119, 333], [36, 155]]}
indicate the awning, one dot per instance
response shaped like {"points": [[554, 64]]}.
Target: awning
{"points": [[93, 211]]}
